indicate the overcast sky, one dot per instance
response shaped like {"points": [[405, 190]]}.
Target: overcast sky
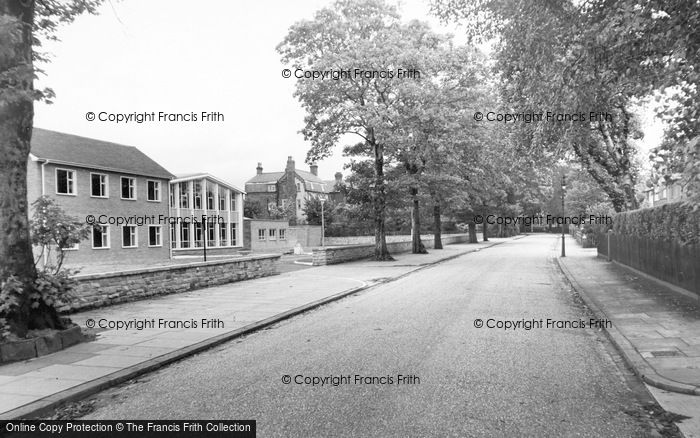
{"points": [[181, 57]]}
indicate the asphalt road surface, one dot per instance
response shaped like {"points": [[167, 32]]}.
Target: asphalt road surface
{"points": [[467, 381]]}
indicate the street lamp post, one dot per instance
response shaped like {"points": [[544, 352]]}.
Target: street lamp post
{"points": [[323, 224], [563, 214]]}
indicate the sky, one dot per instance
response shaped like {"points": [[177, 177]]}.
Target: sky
{"points": [[181, 57]]}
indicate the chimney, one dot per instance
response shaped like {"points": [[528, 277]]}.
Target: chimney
{"points": [[338, 177], [259, 168], [314, 168], [290, 164]]}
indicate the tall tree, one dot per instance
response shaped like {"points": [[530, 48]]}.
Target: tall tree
{"points": [[366, 42], [549, 59], [23, 23]]}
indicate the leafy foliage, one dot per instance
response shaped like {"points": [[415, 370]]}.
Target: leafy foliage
{"points": [[312, 210], [51, 228], [677, 222]]}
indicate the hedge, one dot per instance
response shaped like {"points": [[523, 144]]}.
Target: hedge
{"points": [[676, 222]]}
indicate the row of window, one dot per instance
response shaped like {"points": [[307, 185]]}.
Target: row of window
{"points": [[272, 234], [184, 197], [129, 236], [194, 237], [66, 184], [228, 236]]}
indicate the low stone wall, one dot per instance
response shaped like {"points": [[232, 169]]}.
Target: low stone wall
{"points": [[97, 290], [330, 255], [369, 240]]}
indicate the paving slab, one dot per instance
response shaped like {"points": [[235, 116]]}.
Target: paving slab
{"points": [[32, 388], [659, 325]]}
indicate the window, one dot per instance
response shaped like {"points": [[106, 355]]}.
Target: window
{"points": [[184, 195], [128, 188], [222, 200], [271, 188], [129, 236], [154, 237], [210, 199], [171, 197], [75, 247], [283, 234], [223, 228], [100, 236], [173, 236], [154, 191], [198, 235], [211, 234], [98, 185], [233, 234], [298, 204], [273, 234], [65, 182], [233, 201], [197, 195], [298, 187], [184, 235], [261, 234]]}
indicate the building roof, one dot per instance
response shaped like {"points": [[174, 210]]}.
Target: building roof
{"points": [[265, 177], [192, 176], [85, 152], [312, 183]]}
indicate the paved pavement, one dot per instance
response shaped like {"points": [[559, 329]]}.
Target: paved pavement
{"points": [[662, 326], [656, 329], [464, 380], [221, 313]]}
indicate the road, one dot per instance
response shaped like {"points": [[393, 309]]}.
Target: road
{"points": [[468, 381]]}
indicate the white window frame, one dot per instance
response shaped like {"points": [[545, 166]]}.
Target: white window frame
{"points": [[282, 234], [272, 187], [233, 234], [223, 234], [232, 202], [106, 183], [73, 248], [272, 233], [107, 234], [262, 234], [73, 181], [121, 192], [136, 236], [159, 190], [160, 236]]}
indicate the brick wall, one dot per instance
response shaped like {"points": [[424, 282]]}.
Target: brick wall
{"points": [[97, 290], [339, 254]]}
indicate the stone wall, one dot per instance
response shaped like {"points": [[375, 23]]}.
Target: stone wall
{"points": [[97, 290], [369, 240], [339, 254]]}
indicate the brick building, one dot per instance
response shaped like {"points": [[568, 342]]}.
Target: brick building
{"points": [[289, 189], [195, 196], [107, 181]]}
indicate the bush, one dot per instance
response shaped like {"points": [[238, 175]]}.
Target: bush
{"points": [[678, 222]]}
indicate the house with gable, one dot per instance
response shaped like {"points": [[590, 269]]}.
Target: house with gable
{"points": [[289, 189]]}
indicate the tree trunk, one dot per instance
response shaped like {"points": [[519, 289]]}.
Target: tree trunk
{"points": [[16, 119], [437, 225], [472, 232], [417, 246], [381, 252], [484, 230]]}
